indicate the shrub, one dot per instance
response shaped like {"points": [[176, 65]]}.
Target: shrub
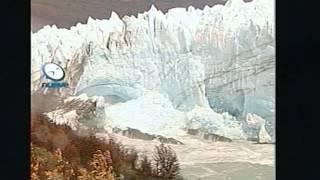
{"points": [[57, 152], [166, 162], [145, 167], [52, 166], [45, 165], [100, 166]]}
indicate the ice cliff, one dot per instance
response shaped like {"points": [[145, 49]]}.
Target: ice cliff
{"points": [[218, 59]]}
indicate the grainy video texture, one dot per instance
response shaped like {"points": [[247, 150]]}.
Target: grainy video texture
{"points": [[152, 90]]}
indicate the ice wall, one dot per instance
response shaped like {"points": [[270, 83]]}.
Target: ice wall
{"points": [[221, 56]]}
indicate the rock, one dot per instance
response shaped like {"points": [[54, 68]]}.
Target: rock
{"points": [[136, 134], [169, 140], [208, 136], [80, 111]]}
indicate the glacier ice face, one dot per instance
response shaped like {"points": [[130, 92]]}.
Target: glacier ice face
{"points": [[221, 57], [262, 135], [211, 122], [153, 113]]}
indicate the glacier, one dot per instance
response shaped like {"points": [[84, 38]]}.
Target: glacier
{"points": [[209, 67]]}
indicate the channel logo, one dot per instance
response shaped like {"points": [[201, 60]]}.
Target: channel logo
{"points": [[54, 75]]}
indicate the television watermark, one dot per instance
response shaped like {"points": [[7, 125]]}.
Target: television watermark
{"points": [[54, 75]]}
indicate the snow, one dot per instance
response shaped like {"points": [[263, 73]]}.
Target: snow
{"points": [[221, 57], [152, 113], [64, 118]]}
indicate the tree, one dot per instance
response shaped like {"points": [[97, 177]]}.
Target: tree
{"points": [[35, 164], [63, 168], [100, 166], [145, 167], [166, 162]]}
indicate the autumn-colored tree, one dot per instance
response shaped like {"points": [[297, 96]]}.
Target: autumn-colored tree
{"points": [[35, 165], [100, 166], [63, 168], [45, 165], [59, 153], [83, 174]]}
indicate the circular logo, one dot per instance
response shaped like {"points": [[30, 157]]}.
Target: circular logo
{"points": [[53, 71]]}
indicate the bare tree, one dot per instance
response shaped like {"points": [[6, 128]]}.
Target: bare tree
{"points": [[145, 167], [166, 162]]}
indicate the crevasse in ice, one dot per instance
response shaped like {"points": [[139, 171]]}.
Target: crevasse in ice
{"points": [[220, 58]]}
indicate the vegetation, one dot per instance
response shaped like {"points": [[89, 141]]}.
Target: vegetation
{"points": [[58, 153], [167, 165]]}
